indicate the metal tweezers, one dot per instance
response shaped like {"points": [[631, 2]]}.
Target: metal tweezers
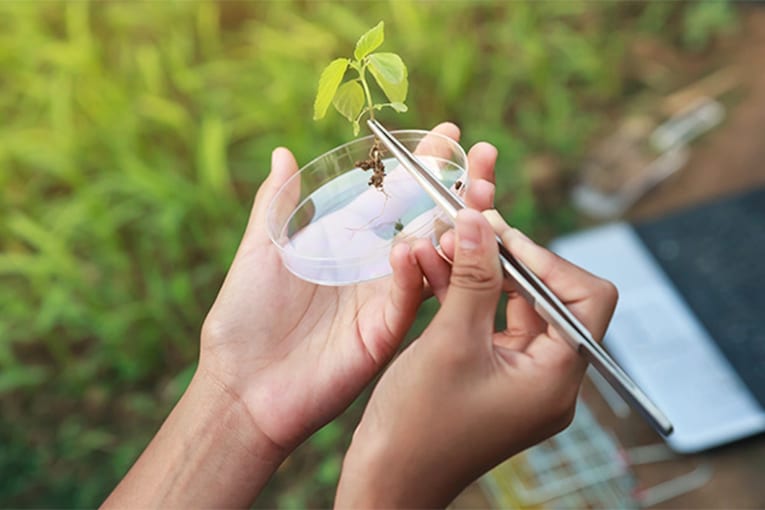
{"points": [[544, 301]]}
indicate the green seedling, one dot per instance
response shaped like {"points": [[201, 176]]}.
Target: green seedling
{"points": [[353, 98]]}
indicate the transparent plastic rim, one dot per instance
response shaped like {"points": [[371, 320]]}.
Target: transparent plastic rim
{"points": [[339, 148]]}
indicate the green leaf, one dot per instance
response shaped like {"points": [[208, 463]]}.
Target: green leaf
{"points": [[349, 100], [328, 82], [390, 73], [370, 41]]}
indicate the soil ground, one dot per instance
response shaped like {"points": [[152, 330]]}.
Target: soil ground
{"points": [[732, 158]]}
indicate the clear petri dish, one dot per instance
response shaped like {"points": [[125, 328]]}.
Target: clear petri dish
{"points": [[333, 228]]}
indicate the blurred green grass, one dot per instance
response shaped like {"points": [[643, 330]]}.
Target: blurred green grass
{"points": [[133, 137]]}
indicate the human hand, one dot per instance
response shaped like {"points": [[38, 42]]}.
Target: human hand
{"points": [[295, 353], [279, 358], [463, 397]]}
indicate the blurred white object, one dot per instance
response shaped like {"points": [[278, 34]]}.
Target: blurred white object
{"points": [[625, 159], [700, 117], [599, 204]]}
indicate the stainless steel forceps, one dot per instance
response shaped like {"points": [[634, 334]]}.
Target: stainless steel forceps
{"points": [[544, 301]]}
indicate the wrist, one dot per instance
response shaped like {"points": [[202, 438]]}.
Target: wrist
{"points": [[361, 478], [209, 452], [387, 469], [228, 413]]}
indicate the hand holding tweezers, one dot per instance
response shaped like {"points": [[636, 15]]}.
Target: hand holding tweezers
{"points": [[544, 301]]}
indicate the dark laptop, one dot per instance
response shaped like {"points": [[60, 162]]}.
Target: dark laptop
{"points": [[690, 324]]}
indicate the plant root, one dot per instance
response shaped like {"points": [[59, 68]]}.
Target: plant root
{"points": [[374, 163]]}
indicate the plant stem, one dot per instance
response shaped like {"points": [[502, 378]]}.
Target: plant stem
{"points": [[367, 93]]}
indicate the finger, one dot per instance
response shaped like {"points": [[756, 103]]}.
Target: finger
{"points": [[481, 160], [480, 194], [436, 270], [476, 280], [521, 316], [446, 246], [591, 299], [448, 129], [438, 146], [283, 173], [404, 297], [522, 320], [427, 291], [433, 144], [446, 252], [523, 324]]}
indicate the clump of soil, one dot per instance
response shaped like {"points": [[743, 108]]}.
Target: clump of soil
{"points": [[374, 163]]}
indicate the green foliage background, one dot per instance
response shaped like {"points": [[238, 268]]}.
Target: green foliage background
{"points": [[133, 137]]}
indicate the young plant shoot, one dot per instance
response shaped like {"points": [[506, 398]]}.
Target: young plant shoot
{"points": [[353, 98]]}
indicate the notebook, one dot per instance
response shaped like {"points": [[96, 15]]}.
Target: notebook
{"points": [[690, 323]]}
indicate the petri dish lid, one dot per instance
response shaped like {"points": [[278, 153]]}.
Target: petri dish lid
{"points": [[332, 227]]}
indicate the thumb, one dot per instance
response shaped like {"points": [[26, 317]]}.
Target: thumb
{"points": [[280, 179], [476, 278]]}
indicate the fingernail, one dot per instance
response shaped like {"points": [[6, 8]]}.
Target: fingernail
{"points": [[410, 254], [446, 239], [468, 235], [275, 155], [404, 250]]}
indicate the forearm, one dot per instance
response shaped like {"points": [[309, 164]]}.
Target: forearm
{"points": [[208, 453], [379, 484]]}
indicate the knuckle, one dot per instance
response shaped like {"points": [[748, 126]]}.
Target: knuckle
{"points": [[475, 274], [214, 328], [563, 416], [608, 292], [211, 328], [454, 358], [561, 408], [560, 404]]}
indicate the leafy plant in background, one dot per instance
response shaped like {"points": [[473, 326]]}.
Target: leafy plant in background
{"points": [[133, 138], [703, 20]]}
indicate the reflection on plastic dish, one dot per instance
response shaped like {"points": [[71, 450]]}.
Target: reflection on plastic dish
{"points": [[338, 230]]}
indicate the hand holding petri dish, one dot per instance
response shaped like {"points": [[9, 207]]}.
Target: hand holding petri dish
{"points": [[333, 228]]}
